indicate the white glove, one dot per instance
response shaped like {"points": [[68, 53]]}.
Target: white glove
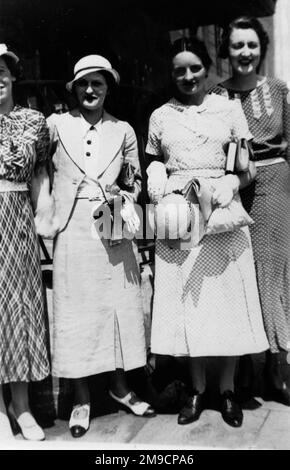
{"points": [[46, 221], [157, 179], [130, 217], [225, 189]]}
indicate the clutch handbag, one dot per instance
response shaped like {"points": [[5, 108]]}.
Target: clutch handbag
{"points": [[216, 219], [238, 156], [127, 177]]}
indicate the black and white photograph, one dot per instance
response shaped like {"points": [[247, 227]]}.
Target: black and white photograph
{"points": [[144, 227]]}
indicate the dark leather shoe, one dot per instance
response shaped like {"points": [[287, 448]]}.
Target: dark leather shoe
{"points": [[246, 400], [280, 395], [231, 411], [77, 431], [192, 409]]}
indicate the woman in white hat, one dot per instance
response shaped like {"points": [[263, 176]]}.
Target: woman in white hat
{"points": [[24, 138], [98, 319]]}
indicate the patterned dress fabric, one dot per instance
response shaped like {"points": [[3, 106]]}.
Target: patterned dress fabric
{"points": [[206, 300], [23, 353], [267, 200]]}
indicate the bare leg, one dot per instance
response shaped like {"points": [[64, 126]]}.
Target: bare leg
{"points": [[227, 373], [197, 373]]}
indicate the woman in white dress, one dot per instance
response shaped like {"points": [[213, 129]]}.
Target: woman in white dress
{"points": [[98, 323], [206, 300]]}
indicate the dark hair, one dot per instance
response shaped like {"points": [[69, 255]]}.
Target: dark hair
{"points": [[194, 45], [244, 22], [11, 65]]}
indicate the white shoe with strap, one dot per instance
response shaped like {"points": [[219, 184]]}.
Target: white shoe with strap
{"points": [[135, 404]]}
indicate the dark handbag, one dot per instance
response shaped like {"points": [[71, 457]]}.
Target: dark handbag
{"points": [[238, 152], [112, 203], [127, 176]]}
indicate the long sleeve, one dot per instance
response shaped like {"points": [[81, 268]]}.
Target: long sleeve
{"points": [[131, 164]]}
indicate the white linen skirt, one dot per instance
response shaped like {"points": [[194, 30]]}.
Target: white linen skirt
{"points": [[98, 322]]}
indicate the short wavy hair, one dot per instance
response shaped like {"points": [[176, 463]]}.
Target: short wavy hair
{"points": [[244, 22]]}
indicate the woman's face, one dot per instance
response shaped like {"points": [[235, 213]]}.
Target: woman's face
{"points": [[244, 51], [6, 80], [188, 73], [91, 91]]}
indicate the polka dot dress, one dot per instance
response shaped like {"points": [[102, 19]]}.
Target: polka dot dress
{"points": [[206, 300], [268, 202]]}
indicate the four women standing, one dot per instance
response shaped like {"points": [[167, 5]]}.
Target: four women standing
{"points": [[206, 299]]}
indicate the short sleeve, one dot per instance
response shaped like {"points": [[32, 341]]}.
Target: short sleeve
{"points": [[42, 142], [240, 126], [153, 146]]}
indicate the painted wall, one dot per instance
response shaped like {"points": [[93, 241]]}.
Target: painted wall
{"points": [[281, 55]]}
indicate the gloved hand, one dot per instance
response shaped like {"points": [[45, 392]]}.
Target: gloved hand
{"points": [[46, 221], [225, 189], [130, 216], [157, 179]]}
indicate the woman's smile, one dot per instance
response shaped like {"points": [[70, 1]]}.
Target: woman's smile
{"points": [[91, 91], [244, 51]]}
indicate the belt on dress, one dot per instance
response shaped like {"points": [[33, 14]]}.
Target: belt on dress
{"points": [[6, 186], [269, 161]]}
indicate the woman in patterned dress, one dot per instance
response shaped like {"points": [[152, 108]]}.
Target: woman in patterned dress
{"points": [[206, 300], [265, 102], [23, 353]]}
